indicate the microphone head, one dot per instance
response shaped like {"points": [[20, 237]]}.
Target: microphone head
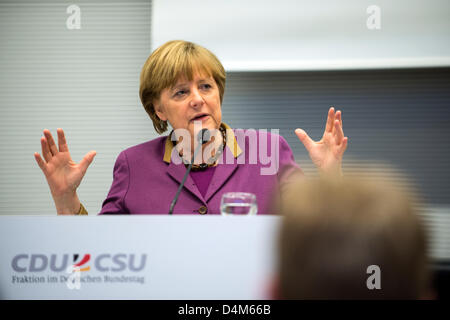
{"points": [[204, 136]]}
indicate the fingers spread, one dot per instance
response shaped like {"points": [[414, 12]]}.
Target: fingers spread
{"points": [[62, 144], [330, 120], [50, 142], [45, 150]]}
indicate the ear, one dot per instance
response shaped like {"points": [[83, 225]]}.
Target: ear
{"points": [[159, 109]]}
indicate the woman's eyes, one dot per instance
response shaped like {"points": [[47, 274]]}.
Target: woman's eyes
{"points": [[204, 86], [180, 92]]}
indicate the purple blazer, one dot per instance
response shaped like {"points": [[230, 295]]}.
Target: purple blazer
{"points": [[145, 180]]}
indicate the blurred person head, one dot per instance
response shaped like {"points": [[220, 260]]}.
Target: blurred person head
{"points": [[334, 228], [181, 82]]}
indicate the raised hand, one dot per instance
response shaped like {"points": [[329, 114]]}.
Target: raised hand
{"points": [[62, 173], [327, 153]]}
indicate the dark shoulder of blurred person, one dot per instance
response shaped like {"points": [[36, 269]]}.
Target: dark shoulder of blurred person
{"points": [[337, 231]]}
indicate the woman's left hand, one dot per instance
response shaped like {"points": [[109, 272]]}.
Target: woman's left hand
{"points": [[327, 153]]}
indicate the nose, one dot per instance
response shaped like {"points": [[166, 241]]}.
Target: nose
{"points": [[196, 98]]}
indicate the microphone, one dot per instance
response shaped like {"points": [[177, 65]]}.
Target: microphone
{"points": [[202, 137]]}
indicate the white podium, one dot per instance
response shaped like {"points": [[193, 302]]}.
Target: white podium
{"points": [[137, 257]]}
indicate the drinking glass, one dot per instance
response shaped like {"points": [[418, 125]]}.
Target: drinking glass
{"points": [[238, 203]]}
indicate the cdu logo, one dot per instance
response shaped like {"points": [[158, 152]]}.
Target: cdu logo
{"points": [[60, 263]]}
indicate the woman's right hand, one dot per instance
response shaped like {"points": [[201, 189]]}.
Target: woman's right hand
{"points": [[62, 173]]}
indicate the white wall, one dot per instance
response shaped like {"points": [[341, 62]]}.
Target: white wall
{"points": [[309, 35], [85, 81]]}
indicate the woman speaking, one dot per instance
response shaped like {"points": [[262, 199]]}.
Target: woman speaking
{"points": [[183, 84]]}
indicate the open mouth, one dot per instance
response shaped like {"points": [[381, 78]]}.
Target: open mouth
{"points": [[200, 117]]}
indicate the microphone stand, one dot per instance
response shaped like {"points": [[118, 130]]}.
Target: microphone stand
{"points": [[202, 137]]}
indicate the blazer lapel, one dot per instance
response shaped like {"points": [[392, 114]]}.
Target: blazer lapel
{"points": [[224, 171], [221, 175], [177, 171]]}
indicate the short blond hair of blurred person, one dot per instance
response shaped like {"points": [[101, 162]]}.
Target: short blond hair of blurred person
{"points": [[334, 228]]}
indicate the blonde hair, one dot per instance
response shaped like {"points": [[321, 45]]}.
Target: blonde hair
{"points": [[334, 228], [167, 64]]}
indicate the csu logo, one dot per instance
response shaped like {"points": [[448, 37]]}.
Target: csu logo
{"points": [[59, 263]]}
